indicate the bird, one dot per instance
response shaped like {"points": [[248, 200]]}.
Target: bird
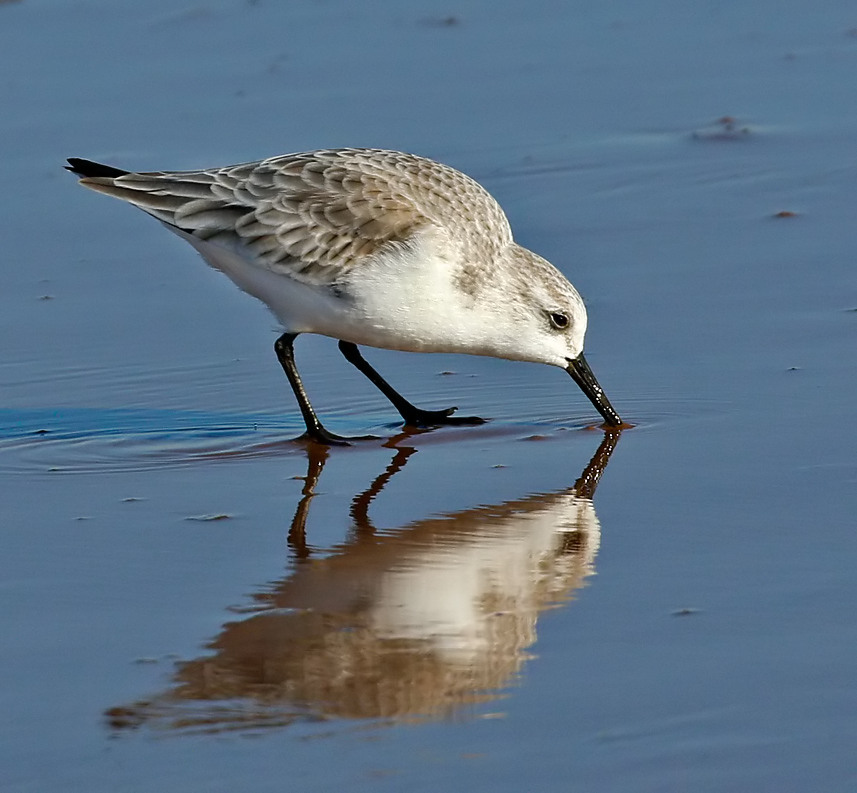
{"points": [[370, 247]]}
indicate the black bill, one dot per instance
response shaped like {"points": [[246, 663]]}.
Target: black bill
{"points": [[582, 375]]}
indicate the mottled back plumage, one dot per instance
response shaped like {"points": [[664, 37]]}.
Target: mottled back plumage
{"points": [[315, 215]]}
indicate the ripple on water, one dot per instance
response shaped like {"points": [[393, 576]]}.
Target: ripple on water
{"points": [[84, 440], [92, 440]]}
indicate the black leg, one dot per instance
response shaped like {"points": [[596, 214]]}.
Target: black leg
{"points": [[314, 429], [413, 416]]}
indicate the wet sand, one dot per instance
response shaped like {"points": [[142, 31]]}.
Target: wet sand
{"points": [[458, 608]]}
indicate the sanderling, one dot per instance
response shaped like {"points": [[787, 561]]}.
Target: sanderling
{"points": [[370, 247]]}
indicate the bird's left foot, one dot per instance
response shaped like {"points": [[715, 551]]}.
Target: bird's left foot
{"points": [[436, 418], [321, 435]]}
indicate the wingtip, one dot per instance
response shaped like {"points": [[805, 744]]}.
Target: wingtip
{"points": [[88, 168]]}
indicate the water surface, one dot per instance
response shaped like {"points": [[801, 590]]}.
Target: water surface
{"points": [[460, 608]]}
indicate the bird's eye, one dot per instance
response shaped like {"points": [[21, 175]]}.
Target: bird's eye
{"points": [[559, 320]]}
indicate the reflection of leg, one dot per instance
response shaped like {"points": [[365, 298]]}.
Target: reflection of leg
{"points": [[362, 526], [317, 457], [284, 347], [413, 416]]}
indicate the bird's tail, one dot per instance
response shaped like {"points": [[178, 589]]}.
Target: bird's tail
{"points": [[191, 201], [88, 168]]}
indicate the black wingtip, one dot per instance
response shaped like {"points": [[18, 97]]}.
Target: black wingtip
{"points": [[95, 169]]}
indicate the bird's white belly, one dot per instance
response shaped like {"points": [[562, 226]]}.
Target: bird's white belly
{"points": [[405, 300], [301, 308]]}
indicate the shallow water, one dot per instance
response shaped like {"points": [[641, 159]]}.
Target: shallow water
{"points": [[457, 608]]}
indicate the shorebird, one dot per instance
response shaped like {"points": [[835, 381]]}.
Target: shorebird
{"points": [[370, 247]]}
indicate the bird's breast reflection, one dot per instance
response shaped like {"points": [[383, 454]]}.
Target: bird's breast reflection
{"points": [[415, 622]]}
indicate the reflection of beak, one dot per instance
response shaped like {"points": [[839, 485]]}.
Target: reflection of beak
{"points": [[582, 375]]}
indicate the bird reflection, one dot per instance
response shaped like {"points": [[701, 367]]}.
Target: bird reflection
{"points": [[419, 622]]}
